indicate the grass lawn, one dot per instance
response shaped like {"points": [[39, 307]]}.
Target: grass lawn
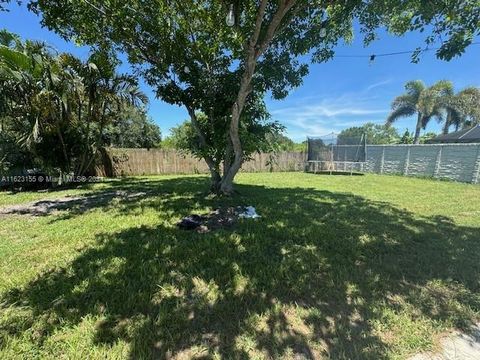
{"points": [[337, 267]]}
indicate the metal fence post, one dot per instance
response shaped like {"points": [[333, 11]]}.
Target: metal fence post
{"points": [[407, 161], [382, 160], [438, 163], [476, 169]]}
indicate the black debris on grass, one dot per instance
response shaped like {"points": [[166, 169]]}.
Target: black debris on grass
{"points": [[221, 218]]}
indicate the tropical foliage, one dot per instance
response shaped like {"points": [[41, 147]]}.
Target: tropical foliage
{"points": [[418, 100], [133, 129], [192, 58], [375, 134], [439, 102], [407, 137], [55, 109], [462, 108], [259, 134]]}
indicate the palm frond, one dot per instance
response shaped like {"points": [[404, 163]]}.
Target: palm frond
{"points": [[414, 88], [438, 113], [443, 88], [403, 100], [10, 40], [399, 112], [14, 59]]}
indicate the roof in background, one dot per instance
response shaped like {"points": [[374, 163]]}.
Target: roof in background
{"points": [[466, 135]]}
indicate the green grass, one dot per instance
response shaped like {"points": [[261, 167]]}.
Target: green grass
{"points": [[338, 267]]}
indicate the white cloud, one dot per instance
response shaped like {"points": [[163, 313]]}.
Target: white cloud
{"points": [[321, 115], [378, 84]]}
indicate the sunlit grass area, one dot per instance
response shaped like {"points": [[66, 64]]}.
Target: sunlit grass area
{"points": [[337, 266]]}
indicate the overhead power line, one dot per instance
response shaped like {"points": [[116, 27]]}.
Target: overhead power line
{"points": [[374, 56]]}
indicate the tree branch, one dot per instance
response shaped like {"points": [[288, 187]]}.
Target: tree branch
{"points": [[201, 136], [283, 9], [254, 50]]}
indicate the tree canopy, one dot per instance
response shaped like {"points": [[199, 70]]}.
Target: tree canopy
{"points": [[188, 53], [132, 129], [419, 100], [462, 108], [376, 134]]}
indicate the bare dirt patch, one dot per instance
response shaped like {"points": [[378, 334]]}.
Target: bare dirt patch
{"points": [[79, 203]]}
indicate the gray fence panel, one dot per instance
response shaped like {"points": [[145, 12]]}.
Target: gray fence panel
{"points": [[459, 162], [374, 159], [395, 159], [422, 160]]}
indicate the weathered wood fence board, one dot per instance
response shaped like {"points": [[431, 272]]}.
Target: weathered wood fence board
{"points": [[130, 162], [460, 162]]}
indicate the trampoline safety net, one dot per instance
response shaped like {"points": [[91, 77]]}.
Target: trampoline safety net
{"points": [[335, 152]]}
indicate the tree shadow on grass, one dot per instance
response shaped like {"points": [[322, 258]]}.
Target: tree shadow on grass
{"points": [[320, 274], [120, 194]]}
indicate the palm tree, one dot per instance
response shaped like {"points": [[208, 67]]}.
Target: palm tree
{"points": [[463, 109], [420, 100], [21, 70], [107, 94], [56, 106]]}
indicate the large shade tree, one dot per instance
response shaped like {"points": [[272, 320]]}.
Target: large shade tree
{"points": [[187, 51]]}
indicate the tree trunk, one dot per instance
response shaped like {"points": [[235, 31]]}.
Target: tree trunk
{"points": [[416, 139], [98, 143], [215, 181], [447, 124], [62, 143], [213, 166], [226, 186], [254, 50]]}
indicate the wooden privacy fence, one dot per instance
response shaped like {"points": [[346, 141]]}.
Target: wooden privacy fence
{"points": [[459, 162], [131, 162]]}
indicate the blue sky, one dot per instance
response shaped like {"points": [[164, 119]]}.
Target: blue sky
{"points": [[341, 93]]}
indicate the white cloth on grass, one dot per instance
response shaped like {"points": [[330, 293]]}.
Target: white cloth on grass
{"points": [[249, 213]]}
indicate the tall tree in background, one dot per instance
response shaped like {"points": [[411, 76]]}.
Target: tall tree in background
{"points": [[132, 128], [424, 102], [192, 58], [438, 101], [56, 107], [376, 134], [463, 108]]}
